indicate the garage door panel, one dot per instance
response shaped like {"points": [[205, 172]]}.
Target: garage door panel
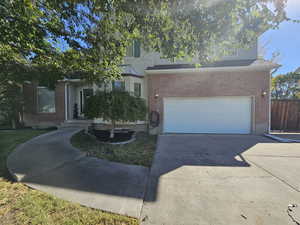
{"points": [[207, 115]]}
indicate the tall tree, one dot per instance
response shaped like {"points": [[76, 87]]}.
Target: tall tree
{"points": [[46, 40], [286, 86], [91, 36]]}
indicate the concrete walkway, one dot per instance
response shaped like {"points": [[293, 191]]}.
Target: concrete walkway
{"points": [[49, 163]]}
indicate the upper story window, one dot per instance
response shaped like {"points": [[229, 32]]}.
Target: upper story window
{"points": [[137, 89], [104, 85], [134, 50], [45, 100], [235, 52], [118, 85]]}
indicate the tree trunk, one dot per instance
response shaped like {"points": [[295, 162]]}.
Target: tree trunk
{"points": [[112, 131], [13, 124]]}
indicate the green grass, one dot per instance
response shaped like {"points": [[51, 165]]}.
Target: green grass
{"points": [[139, 152], [20, 205]]}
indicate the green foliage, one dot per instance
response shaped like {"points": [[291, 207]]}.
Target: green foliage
{"points": [[286, 86], [91, 36], [48, 40], [115, 106], [11, 105]]}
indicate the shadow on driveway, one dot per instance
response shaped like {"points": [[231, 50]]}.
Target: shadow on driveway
{"points": [[201, 150], [49, 163]]}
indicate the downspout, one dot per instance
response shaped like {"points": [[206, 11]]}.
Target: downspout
{"points": [[270, 101]]}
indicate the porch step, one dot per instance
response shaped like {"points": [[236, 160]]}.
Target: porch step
{"points": [[76, 123]]}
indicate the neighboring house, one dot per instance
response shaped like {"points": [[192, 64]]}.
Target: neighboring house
{"points": [[228, 96]]}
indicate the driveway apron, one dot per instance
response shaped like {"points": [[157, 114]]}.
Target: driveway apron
{"points": [[222, 180]]}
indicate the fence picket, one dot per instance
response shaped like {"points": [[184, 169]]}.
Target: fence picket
{"points": [[285, 115]]}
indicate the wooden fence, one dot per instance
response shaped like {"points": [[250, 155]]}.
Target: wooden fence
{"points": [[285, 115]]}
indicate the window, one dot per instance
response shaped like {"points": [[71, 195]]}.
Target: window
{"points": [[235, 52], [103, 85], [45, 100], [134, 50], [118, 85], [84, 95], [137, 89]]}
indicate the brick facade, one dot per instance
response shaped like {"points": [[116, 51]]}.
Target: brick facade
{"points": [[214, 83], [31, 115]]}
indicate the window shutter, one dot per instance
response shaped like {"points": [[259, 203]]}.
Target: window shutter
{"points": [[137, 48], [137, 89]]}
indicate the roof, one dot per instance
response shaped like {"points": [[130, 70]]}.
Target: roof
{"points": [[224, 63], [128, 70]]}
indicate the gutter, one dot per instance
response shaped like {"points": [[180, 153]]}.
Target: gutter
{"points": [[257, 65], [70, 80]]}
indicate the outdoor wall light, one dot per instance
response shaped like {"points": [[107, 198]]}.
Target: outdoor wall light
{"points": [[156, 96], [264, 93]]}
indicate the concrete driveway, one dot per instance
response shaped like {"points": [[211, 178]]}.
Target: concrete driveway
{"points": [[222, 180]]}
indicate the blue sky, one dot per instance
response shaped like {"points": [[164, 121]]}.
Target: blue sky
{"points": [[285, 40]]}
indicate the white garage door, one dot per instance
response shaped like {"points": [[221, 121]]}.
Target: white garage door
{"points": [[231, 115]]}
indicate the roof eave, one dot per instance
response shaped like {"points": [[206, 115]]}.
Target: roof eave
{"points": [[265, 66]]}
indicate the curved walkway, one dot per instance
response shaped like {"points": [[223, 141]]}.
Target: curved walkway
{"points": [[51, 164]]}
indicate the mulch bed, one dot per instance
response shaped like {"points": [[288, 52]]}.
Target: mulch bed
{"points": [[120, 135]]}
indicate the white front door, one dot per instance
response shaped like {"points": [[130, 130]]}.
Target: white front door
{"points": [[224, 115]]}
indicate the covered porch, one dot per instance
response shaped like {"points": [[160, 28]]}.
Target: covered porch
{"points": [[77, 93]]}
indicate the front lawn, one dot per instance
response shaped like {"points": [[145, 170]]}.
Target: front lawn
{"points": [[20, 205], [139, 152]]}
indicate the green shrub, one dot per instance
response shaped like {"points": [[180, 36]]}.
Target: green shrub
{"points": [[115, 106]]}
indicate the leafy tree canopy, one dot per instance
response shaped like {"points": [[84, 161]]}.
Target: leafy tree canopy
{"points": [[286, 86], [50, 39]]}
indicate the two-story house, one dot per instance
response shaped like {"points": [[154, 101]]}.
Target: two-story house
{"points": [[227, 96]]}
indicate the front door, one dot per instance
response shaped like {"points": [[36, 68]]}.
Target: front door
{"points": [[85, 93]]}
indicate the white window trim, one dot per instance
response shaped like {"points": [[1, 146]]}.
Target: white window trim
{"points": [[37, 102]]}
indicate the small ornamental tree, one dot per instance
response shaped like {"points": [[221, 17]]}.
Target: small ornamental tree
{"points": [[115, 106]]}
